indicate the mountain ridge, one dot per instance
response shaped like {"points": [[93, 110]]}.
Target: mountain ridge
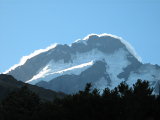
{"points": [[49, 69]]}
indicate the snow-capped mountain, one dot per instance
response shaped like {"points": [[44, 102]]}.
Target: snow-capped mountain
{"points": [[104, 60]]}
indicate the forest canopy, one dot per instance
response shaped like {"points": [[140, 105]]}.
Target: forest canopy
{"points": [[122, 103]]}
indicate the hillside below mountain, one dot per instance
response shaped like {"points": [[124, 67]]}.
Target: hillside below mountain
{"points": [[9, 84]]}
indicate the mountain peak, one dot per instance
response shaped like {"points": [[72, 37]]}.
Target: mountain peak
{"points": [[112, 41], [94, 40], [103, 59]]}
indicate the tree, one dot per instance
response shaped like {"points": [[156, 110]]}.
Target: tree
{"points": [[141, 88], [124, 89], [20, 104]]}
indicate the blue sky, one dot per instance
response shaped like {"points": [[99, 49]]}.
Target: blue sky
{"points": [[28, 25]]}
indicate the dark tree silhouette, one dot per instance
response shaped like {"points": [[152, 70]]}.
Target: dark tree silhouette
{"points": [[20, 104], [121, 103]]}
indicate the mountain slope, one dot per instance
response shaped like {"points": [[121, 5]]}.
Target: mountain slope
{"points": [[105, 60], [9, 84]]}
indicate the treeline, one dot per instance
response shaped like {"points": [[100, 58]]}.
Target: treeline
{"points": [[122, 103]]}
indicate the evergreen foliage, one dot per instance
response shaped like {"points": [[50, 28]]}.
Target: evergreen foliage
{"points": [[121, 103]]}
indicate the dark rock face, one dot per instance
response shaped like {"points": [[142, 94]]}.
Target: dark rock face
{"points": [[133, 67], [74, 83]]}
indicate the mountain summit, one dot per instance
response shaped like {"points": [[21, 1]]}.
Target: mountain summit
{"points": [[104, 60]]}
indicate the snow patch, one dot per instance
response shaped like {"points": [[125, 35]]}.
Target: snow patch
{"points": [[47, 74], [146, 72], [80, 62], [81, 41], [127, 44], [76, 67], [116, 63]]}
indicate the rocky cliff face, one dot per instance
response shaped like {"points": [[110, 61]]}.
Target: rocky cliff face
{"points": [[104, 60]]}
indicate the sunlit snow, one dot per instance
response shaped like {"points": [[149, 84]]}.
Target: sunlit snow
{"points": [[80, 62]]}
